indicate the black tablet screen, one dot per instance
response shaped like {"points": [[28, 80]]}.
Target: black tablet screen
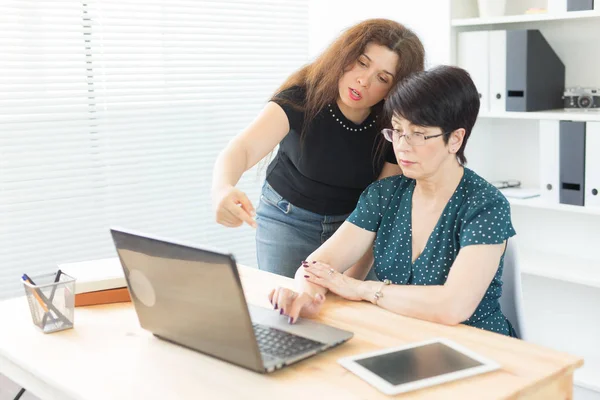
{"points": [[418, 363]]}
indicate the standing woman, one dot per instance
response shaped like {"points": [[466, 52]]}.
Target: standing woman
{"points": [[325, 118]]}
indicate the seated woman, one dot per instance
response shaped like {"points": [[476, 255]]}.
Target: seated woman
{"points": [[438, 232]]}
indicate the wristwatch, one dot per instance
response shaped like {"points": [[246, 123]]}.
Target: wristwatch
{"points": [[379, 294]]}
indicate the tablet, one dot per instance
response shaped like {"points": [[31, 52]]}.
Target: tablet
{"points": [[418, 365]]}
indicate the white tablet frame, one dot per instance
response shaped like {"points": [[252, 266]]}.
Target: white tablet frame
{"points": [[387, 388]]}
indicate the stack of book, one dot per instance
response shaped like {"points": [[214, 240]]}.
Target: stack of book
{"points": [[98, 281]]}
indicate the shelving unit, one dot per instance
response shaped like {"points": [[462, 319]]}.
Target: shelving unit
{"points": [[552, 115], [561, 267], [529, 18], [538, 202], [557, 242]]}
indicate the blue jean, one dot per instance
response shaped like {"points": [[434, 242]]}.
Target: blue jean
{"points": [[286, 235]]}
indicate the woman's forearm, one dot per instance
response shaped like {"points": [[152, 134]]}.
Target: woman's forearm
{"points": [[349, 245], [430, 303], [318, 255], [302, 285], [361, 268], [229, 166]]}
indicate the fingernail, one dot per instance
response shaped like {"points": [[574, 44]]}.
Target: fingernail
{"points": [[290, 320], [276, 306], [306, 276], [281, 311], [320, 296]]}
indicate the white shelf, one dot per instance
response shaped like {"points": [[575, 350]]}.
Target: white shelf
{"points": [[588, 376], [560, 114], [560, 267], [511, 19], [538, 202]]}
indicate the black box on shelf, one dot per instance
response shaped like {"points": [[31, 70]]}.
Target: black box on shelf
{"points": [[580, 5], [572, 162], [535, 76]]}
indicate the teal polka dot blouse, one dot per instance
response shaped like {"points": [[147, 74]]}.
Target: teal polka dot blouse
{"points": [[477, 213]]}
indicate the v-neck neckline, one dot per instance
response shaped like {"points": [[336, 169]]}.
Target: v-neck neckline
{"points": [[435, 228]]}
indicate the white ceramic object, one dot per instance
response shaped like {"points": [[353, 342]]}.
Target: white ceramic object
{"points": [[491, 8], [557, 6]]}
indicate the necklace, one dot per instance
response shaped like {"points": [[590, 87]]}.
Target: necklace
{"points": [[349, 128]]}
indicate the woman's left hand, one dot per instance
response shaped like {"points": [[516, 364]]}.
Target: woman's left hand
{"points": [[323, 275]]}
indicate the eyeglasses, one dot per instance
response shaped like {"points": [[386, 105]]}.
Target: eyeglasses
{"points": [[413, 139]]}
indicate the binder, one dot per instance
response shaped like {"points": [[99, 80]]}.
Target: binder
{"points": [[549, 157], [497, 64], [535, 75], [572, 162], [592, 164], [473, 56], [580, 5]]}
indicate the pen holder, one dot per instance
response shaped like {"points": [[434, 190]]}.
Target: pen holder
{"points": [[51, 301]]}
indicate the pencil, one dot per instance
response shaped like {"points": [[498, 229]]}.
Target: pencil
{"points": [[35, 292]]}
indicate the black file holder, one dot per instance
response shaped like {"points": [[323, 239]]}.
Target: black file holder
{"points": [[572, 162]]}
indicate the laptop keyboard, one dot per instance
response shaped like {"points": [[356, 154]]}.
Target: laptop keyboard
{"points": [[277, 343]]}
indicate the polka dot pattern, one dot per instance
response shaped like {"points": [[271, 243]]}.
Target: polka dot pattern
{"points": [[477, 213]]}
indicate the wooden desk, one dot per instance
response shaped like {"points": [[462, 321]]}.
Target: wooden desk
{"points": [[108, 356]]}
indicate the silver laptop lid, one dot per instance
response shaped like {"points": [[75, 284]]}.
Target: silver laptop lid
{"points": [[189, 295]]}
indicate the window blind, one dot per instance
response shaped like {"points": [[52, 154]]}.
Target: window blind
{"points": [[112, 114]]}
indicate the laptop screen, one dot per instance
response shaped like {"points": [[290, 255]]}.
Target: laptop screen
{"points": [[188, 295]]}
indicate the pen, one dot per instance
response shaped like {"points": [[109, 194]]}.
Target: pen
{"points": [[35, 292], [56, 279]]}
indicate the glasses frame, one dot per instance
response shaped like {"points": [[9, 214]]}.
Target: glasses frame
{"points": [[392, 132]]}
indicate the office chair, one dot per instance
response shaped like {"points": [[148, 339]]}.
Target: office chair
{"points": [[511, 301]]}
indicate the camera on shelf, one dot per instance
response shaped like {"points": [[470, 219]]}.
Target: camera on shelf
{"points": [[580, 97]]}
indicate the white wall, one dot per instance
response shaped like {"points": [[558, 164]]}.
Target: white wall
{"points": [[328, 18]]}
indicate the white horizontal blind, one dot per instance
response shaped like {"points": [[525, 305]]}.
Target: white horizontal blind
{"points": [[113, 112], [49, 176]]}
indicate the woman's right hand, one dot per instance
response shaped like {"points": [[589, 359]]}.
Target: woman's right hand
{"points": [[295, 304], [233, 208]]}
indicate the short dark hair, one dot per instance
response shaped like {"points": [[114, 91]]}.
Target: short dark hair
{"points": [[443, 97]]}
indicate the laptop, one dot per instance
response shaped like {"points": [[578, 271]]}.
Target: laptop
{"points": [[193, 297]]}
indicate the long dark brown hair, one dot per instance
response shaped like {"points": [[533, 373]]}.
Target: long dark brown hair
{"points": [[320, 78]]}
